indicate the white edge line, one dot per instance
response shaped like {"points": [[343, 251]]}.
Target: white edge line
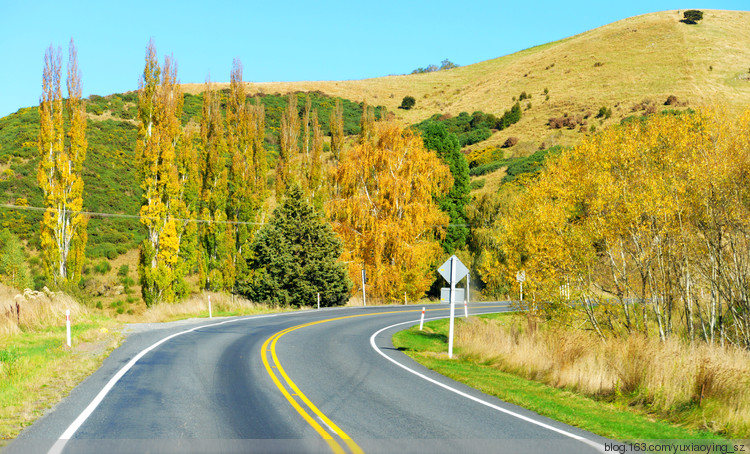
{"points": [[592, 443], [59, 445]]}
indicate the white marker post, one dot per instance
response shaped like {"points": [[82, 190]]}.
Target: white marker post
{"points": [[67, 325], [466, 301], [421, 321], [520, 277], [364, 280], [404, 298], [210, 315], [318, 300], [453, 292]]}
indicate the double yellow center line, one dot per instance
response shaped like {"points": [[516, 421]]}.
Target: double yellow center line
{"points": [[297, 398], [293, 391]]}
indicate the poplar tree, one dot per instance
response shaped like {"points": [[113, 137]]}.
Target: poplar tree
{"points": [[366, 123], [315, 170], [63, 227], [216, 266], [163, 209], [289, 145], [337, 130], [246, 189]]}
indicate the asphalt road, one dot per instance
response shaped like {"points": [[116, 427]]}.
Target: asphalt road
{"points": [[267, 384]]}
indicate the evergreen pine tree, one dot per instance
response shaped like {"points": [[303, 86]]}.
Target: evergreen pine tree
{"points": [[295, 256]]}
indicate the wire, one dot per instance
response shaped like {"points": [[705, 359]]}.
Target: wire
{"points": [[136, 216], [130, 216]]}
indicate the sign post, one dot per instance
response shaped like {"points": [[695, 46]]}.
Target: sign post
{"points": [[452, 271]]}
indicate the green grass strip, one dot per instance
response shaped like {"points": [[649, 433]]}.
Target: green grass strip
{"points": [[603, 418]]}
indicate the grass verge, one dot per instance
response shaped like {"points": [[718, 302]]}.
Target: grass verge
{"points": [[37, 369], [610, 420]]}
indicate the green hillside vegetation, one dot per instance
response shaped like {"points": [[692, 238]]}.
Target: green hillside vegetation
{"points": [[109, 176]]}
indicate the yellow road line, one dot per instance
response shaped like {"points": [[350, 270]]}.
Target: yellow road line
{"points": [[270, 346]]}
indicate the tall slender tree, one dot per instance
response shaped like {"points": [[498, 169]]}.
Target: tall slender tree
{"points": [[160, 139], [216, 263], [289, 145], [63, 228], [337, 130], [246, 191]]}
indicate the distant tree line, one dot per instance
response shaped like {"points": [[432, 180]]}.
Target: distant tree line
{"points": [[444, 65]]}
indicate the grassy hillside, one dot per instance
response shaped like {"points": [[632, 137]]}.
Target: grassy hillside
{"points": [[618, 65]]}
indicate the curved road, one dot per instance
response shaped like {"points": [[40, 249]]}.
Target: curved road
{"points": [[313, 381]]}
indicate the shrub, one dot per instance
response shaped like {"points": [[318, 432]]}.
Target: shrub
{"points": [[407, 103], [510, 142], [523, 96], [478, 184], [671, 100], [123, 270], [604, 112], [102, 267]]}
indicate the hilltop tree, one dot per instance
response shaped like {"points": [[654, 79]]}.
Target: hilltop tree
{"points": [[692, 16], [63, 228], [160, 139], [407, 103], [216, 266], [386, 213], [295, 256]]}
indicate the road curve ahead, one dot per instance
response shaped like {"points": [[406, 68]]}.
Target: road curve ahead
{"points": [[313, 381]]}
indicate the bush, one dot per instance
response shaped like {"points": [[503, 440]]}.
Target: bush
{"points": [[407, 103], [510, 142], [102, 267], [478, 184], [604, 112], [671, 100], [123, 270]]}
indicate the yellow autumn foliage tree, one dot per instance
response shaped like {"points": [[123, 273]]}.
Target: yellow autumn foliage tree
{"points": [[160, 148], [638, 228], [63, 228], [386, 214]]}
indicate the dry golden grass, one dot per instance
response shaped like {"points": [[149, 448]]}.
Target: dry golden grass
{"points": [[617, 65], [197, 305], [699, 385], [33, 310]]}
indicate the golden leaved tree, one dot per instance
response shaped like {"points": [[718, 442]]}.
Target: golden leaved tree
{"points": [[646, 224], [385, 210], [160, 149], [63, 228], [247, 168]]}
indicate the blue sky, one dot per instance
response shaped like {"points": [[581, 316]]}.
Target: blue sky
{"points": [[284, 41]]}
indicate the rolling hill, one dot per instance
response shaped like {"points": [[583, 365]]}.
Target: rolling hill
{"points": [[630, 67], [619, 65]]}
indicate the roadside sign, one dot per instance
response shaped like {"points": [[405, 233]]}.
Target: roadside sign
{"points": [[521, 276], [458, 295], [445, 269]]}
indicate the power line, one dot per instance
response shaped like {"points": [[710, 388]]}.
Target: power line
{"points": [[136, 216], [130, 216]]}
